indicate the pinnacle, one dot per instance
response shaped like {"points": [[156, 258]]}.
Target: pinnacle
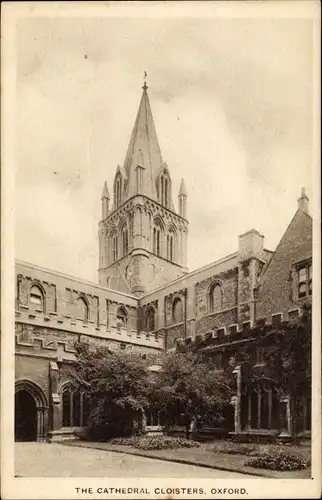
{"points": [[182, 190], [105, 193]]}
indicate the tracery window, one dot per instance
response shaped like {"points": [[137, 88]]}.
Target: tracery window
{"points": [[75, 407]]}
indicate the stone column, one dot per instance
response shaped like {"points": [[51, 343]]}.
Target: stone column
{"points": [[289, 415], [270, 408], [143, 421], [285, 426], [249, 420], [54, 396], [237, 399], [259, 407], [40, 424]]}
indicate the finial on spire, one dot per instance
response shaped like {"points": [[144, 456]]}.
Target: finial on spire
{"points": [[145, 87]]}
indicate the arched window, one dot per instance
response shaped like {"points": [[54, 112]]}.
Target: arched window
{"points": [[150, 319], [125, 240], [162, 189], [75, 407], [215, 298], [121, 317], [177, 310], [157, 239], [170, 245], [115, 246], [36, 299], [118, 190], [164, 192], [82, 309]]}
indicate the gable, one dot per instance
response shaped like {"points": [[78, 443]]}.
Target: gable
{"points": [[275, 291]]}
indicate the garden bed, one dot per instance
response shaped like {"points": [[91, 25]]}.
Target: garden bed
{"points": [[155, 442], [205, 455]]}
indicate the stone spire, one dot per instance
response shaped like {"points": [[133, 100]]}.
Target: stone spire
{"points": [[303, 201], [144, 152]]}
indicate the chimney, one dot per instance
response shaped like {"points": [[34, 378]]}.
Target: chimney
{"points": [[251, 244], [303, 201]]}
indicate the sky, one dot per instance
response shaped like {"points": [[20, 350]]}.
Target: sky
{"points": [[232, 102]]}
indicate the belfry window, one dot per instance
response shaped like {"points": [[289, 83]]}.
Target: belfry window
{"points": [[118, 190], [170, 245], [115, 247], [157, 240], [125, 240], [164, 191]]}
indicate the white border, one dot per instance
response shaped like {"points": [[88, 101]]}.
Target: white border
{"points": [[51, 488]]}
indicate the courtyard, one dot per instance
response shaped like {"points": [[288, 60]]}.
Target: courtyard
{"points": [[56, 460]]}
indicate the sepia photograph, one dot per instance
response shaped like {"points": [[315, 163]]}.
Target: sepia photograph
{"points": [[162, 189]]}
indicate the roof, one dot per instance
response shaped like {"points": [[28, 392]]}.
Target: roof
{"points": [[143, 150]]}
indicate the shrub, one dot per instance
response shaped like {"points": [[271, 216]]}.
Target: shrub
{"points": [[164, 443], [249, 451], [124, 441], [280, 461], [155, 442]]}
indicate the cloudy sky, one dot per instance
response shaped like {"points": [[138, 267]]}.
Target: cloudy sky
{"points": [[232, 104]]}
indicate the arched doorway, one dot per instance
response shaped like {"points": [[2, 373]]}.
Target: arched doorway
{"points": [[31, 412], [25, 417]]}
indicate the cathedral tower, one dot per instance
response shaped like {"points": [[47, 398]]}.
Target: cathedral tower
{"points": [[142, 239]]}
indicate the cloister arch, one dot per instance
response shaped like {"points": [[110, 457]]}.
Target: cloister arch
{"points": [[31, 411]]}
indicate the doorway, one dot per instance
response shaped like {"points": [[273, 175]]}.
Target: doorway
{"points": [[25, 416]]}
